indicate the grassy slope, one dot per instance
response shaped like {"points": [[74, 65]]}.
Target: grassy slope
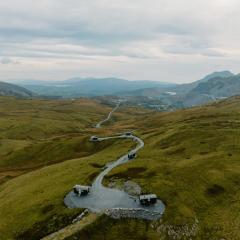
{"points": [[191, 160], [37, 197], [37, 137], [36, 133], [40, 119]]}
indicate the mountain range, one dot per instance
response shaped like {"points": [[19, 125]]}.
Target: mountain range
{"points": [[217, 85], [78, 87], [8, 89]]}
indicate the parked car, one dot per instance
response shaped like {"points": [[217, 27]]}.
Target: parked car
{"points": [[94, 139], [128, 133], [131, 155]]}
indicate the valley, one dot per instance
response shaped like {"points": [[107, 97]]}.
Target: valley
{"points": [[190, 160], [119, 120]]}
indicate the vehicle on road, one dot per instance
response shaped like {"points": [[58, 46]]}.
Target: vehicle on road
{"points": [[131, 155], [148, 199], [94, 139], [128, 133]]}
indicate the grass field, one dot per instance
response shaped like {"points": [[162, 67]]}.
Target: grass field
{"points": [[47, 143], [32, 204], [190, 160], [36, 133]]}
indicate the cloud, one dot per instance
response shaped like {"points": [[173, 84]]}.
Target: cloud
{"points": [[7, 60], [92, 32]]}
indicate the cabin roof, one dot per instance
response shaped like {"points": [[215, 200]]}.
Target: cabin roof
{"points": [[147, 196], [81, 187]]}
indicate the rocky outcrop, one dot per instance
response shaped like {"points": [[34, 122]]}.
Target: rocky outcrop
{"points": [[140, 213], [132, 188]]}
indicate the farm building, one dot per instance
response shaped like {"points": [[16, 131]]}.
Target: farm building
{"points": [[81, 190], [148, 199]]}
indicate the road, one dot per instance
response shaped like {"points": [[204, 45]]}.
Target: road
{"points": [[102, 198], [108, 117], [97, 184]]}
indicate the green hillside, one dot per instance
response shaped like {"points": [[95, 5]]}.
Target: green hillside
{"points": [[32, 204], [36, 133], [190, 160]]}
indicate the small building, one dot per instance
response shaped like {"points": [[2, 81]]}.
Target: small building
{"points": [[94, 139], [148, 199], [131, 155], [81, 190]]}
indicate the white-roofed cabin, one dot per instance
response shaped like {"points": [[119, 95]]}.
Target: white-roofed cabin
{"points": [[81, 190], [148, 199]]}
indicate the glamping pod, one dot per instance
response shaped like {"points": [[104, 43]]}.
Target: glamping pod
{"points": [[81, 190], [148, 199]]}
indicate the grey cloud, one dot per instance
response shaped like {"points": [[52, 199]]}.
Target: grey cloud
{"points": [[92, 22], [7, 60], [189, 50], [139, 30]]}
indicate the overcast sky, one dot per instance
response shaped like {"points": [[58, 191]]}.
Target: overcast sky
{"points": [[165, 40]]}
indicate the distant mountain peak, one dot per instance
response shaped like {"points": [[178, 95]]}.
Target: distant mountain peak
{"points": [[223, 74], [8, 89]]}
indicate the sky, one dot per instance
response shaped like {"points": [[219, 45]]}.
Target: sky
{"points": [[163, 40]]}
